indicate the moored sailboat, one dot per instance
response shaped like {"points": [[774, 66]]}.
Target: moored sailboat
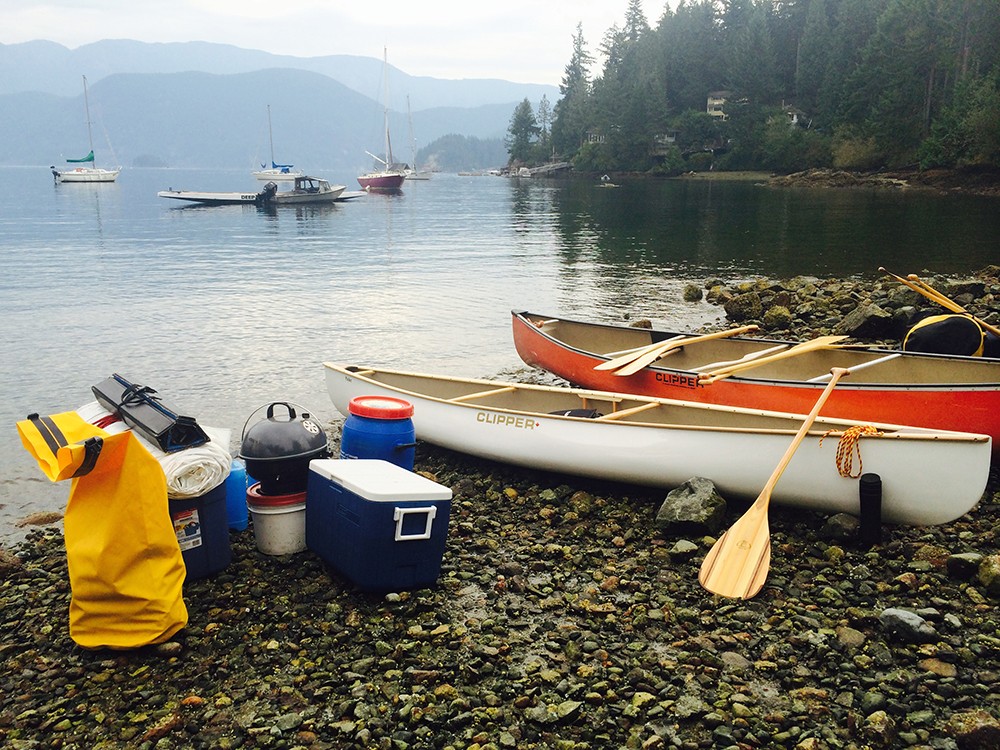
{"points": [[91, 173], [390, 177], [276, 172]]}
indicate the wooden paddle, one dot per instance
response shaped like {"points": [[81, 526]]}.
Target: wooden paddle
{"points": [[922, 287], [630, 355], [631, 363], [949, 304], [738, 562], [820, 342]]}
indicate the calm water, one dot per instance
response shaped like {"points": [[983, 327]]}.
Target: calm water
{"points": [[226, 309]]}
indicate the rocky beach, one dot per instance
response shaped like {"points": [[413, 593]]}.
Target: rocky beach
{"points": [[567, 615]]}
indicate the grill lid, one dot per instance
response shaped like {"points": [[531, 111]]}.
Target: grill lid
{"points": [[283, 435]]}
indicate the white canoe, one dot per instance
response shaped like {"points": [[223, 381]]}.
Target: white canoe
{"points": [[928, 476]]}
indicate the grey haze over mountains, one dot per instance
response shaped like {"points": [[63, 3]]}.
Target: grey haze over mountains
{"points": [[198, 104]]}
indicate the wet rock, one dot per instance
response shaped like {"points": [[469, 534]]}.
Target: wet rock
{"points": [[743, 307], [840, 526], [964, 565], [865, 321], [777, 318], [692, 293], [695, 505], [907, 626], [989, 574], [974, 730]]}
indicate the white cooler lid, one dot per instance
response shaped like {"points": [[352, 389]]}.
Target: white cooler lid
{"points": [[378, 480]]}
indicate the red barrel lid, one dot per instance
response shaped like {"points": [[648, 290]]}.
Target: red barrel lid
{"points": [[380, 407], [256, 497]]}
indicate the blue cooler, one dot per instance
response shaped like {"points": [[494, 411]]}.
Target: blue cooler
{"points": [[202, 529], [381, 527]]}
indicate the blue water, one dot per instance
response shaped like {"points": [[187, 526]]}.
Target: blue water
{"points": [[226, 309]]}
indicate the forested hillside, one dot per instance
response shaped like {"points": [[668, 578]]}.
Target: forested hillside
{"points": [[853, 84]]}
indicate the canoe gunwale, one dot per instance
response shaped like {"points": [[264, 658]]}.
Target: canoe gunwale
{"points": [[526, 318], [886, 431], [933, 477]]}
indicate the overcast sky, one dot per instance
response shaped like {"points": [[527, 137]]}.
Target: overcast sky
{"points": [[528, 41]]}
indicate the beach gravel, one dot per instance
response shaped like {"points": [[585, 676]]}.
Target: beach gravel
{"points": [[563, 617]]}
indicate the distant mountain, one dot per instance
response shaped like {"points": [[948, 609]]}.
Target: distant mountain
{"points": [[48, 67], [205, 105]]}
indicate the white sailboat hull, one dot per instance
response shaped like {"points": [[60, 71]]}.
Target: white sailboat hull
{"points": [[277, 175], [928, 476], [85, 174]]}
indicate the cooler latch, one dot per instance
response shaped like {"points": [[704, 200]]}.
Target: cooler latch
{"points": [[399, 514]]}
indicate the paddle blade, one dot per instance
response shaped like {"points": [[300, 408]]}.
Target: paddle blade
{"points": [[634, 354], [643, 359], [738, 563]]}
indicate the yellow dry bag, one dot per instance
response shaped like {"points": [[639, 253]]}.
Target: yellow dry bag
{"points": [[946, 334], [126, 571]]}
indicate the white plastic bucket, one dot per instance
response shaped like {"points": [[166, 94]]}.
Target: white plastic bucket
{"points": [[279, 521]]}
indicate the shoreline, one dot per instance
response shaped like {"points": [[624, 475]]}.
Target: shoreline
{"points": [[565, 616], [982, 182]]}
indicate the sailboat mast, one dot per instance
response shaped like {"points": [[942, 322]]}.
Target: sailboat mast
{"points": [[270, 135], [388, 144], [86, 104], [413, 141]]}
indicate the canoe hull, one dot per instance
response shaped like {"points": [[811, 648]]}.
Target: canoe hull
{"points": [[968, 407], [927, 480]]}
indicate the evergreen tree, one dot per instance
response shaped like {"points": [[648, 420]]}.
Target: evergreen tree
{"points": [[753, 67], [522, 133], [812, 57], [569, 128], [635, 22], [543, 116]]}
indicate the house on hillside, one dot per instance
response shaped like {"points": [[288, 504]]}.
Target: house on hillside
{"points": [[795, 116], [663, 142], [716, 104]]}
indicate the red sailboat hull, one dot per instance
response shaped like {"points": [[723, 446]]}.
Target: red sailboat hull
{"points": [[388, 181]]}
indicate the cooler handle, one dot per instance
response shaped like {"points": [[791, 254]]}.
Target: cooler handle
{"points": [[400, 513]]}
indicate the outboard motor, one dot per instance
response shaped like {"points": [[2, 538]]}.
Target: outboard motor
{"points": [[265, 195]]}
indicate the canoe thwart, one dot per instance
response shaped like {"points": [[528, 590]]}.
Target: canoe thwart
{"points": [[629, 412], [482, 394], [854, 368]]}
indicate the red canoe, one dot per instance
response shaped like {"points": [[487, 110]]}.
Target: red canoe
{"points": [[924, 390]]}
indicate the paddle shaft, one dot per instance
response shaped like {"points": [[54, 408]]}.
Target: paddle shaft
{"points": [[932, 293], [922, 287], [823, 342], [835, 374], [738, 563]]}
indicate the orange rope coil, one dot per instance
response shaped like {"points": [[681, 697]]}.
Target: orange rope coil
{"points": [[848, 446]]}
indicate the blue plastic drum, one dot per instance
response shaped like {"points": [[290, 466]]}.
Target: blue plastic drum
{"points": [[379, 427]]}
